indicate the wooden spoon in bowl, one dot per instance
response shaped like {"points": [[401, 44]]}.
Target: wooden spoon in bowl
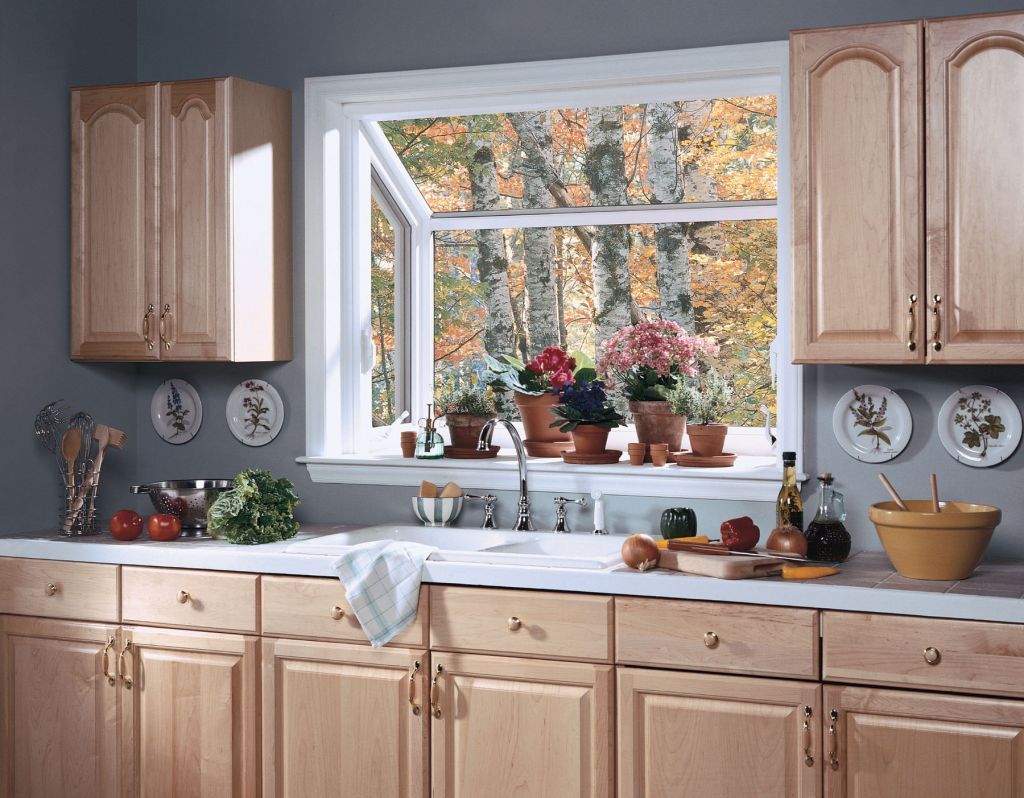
{"points": [[892, 492], [936, 507]]}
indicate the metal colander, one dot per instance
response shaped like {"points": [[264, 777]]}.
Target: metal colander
{"points": [[188, 499]]}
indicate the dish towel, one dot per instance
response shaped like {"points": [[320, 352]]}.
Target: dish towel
{"points": [[382, 585]]}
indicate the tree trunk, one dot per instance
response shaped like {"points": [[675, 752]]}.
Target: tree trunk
{"points": [[606, 174], [672, 245], [492, 261]]}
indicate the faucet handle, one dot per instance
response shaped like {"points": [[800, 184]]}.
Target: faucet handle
{"points": [[560, 501], [489, 500]]}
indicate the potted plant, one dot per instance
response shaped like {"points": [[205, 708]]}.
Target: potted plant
{"points": [[584, 412], [648, 360], [466, 412], [703, 400], [534, 385]]}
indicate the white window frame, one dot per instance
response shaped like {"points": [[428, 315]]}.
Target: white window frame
{"points": [[339, 111]]}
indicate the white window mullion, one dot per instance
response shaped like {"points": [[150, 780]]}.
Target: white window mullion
{"points": [[421, 322]]}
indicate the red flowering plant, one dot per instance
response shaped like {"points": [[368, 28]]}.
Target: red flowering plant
{"points": [[546, 373], [650, 358]]}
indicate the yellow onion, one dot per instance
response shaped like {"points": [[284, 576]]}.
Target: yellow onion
{"points": [[787, 540], [640, 552]]}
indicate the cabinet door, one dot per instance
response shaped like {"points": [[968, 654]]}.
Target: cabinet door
{"points": [[857, 195], [683, 734], [190, 714], [519, 728], [976, 188], [114, 206], [195, 306], [922, 745], [59, 709], [343, 719]]}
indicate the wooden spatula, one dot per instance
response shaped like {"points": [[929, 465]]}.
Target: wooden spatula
{"points": [[104, 436]]}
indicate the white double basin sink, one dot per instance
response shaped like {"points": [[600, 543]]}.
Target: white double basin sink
{"points": [[488, 546]]}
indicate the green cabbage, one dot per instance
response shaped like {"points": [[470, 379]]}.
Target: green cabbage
{"points": [[257, 509]]}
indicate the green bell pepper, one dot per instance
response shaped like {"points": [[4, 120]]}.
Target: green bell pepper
{"points": [[678, 522]]}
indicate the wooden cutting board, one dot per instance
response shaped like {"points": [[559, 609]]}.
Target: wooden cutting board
{"points": [[730, 566]]}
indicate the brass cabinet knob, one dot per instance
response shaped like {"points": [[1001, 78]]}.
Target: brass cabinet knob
{"points": [[710, 640], [184, 597], [51, 589], [932, 655], [337, 612], [514, 624]]}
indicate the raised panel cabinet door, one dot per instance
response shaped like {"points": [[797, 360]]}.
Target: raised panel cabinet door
{"points": [[921, 745], [517, 728], [342, 719], [114, 207], [857, 195], [975, 189], [195, 301], [687, 734], [59, 709], [190, 719]]}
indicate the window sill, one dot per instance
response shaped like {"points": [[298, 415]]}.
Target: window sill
{"points": [[752, 478]]}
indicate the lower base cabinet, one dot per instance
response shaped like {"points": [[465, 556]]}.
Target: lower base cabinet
{"points": [[518, 728], [344, 720], [922, 745], [689, 734]]}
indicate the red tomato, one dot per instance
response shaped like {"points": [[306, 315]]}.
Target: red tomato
{"points": [[126, 525], [163, 527]]}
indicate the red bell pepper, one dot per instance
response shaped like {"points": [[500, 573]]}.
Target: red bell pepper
{"points": [[740, 534]]}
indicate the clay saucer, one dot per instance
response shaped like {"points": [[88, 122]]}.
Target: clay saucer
{"points": [[547, 448], [470, 454], [690, 460], [606, 457]]}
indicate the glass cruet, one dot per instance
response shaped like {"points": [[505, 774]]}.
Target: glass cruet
{"points": [[827, 538]]}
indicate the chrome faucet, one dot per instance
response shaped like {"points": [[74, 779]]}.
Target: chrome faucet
{"points": [[523, 521], [561, 525]]}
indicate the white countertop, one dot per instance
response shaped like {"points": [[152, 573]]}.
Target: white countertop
{"points": [[867, 582]]}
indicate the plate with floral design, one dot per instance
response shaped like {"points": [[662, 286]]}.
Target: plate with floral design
{"points": [[255, 412], [176, 411], [872, 423], [979, 425]]}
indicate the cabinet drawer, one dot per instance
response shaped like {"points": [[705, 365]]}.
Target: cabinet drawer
{"points": [[192, 599], [962, 656], [709, 636], [316, 608], [55, 589], [521, 622]]}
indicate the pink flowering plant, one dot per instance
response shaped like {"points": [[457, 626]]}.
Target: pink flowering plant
{"points": [[546, 373], [649, 359]]}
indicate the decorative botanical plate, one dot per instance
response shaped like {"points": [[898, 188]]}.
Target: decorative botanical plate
{"points": [[255, 412], [872, 423], [979, 425], [176, 411]]}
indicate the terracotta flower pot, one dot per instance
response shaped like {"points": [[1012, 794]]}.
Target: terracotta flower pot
{"points": [[537, 417], [656, 423], [707, 440], [464, 429], [590, 439]]}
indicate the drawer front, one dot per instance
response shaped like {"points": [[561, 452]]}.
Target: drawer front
{"points": [[521, 622], [311, 608], [223, 602], [961, 656], [710, 636], [56, 589]]}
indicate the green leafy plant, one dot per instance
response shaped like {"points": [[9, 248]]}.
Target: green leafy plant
{"points": [[703, 399], [978, 424], [256, 509], [471, 402], [585, 402], [873, 419]]}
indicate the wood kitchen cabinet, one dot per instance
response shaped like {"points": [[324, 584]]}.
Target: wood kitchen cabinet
{"points": [[517, 728], [705, 735], [60, 706], [342, 719], [181, 222]]}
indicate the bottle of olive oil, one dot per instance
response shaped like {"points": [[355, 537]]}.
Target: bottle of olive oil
{"points": [[789, 507]]}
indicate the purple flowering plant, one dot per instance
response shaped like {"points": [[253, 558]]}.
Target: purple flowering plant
{"points": [[585, 402]]}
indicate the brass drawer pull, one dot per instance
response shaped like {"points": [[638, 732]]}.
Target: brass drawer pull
{"points": [[514, 624], [337, 612], [711, 640], [808, 739], [125, 678], [412, 688], [936, 324], [111, 679], [145, 327], [164, 339], [184, 597], [51, 589], [833, 738], [912, 323], [932, 655], [435, 690]]}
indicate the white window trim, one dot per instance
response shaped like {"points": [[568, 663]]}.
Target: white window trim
{"points": [[337, 296]]}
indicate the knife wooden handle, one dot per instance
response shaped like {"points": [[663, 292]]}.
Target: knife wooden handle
{"points": [[680, 544]]}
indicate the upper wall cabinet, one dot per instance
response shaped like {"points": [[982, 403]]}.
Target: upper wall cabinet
{"points": [[879, 113], [181, 222]]}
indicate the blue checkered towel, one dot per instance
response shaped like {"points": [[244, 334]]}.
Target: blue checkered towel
{"points": [[382, 585]]}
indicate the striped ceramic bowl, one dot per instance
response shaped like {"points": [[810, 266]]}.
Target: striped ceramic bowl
{"points": [[437, 512]]}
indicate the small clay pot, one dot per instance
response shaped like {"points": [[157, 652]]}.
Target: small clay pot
{"points": [[707, 440], [590, 439], [537, 417], [408, 441], [637, 453], [659, 454], [464, 429]]}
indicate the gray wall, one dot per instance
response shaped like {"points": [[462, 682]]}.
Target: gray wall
{"points": [[45, 47]]}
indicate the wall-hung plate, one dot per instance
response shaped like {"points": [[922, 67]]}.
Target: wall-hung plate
{"points": [[176, 411], [255, 412], [979, 425], [872, 423]]}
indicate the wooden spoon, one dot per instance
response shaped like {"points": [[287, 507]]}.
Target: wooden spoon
{"points": [[892, 492], [936, 507], [70, 446]]}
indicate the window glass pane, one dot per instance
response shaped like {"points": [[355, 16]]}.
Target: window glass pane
{"points": [[518, 290], [382, 314], [652, 153]]}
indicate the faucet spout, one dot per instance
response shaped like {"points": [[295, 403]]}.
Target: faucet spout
{"points": [[523, 521]]}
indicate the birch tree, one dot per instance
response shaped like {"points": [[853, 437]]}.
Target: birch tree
{"points": [[606, 174]]}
